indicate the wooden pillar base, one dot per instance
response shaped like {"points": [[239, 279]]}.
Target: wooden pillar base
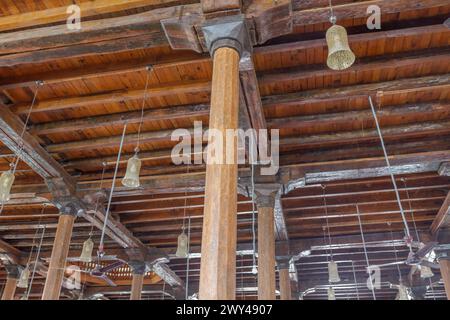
{"points": [[55, 276]]}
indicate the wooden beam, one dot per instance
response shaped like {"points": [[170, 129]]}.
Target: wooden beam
{"points": [[442, 218], [209, 6], [218, 262], [115, 96], [171, 113], [88, 9], [32, 153], [12, 254], [358, 10]]}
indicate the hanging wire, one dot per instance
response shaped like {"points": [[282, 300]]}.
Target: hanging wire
{"points": [[411, 210], [405, 222], [332, 16], [25, 125], [142, 109], [365, 248], [253, 217], [356, 282], [325, 242], [102, 239], [36, 262], [328, 226], [188, 260], [395, 251]]}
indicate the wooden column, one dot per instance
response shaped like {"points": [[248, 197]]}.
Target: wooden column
{"points": [[266, 246], [10, 289], [58, 258], [284, 280], [445, 273], [218, 261], [136, 286], [13, 274], [138, 268]]}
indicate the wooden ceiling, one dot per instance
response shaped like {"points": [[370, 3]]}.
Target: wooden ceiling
{"points": [[94, 83]]}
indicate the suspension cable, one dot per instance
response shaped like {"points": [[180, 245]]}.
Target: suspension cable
{"points": [[391, 173], [102, 239], [365, 250]]}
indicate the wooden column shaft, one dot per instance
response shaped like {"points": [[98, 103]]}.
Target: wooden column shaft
{"points": [[445, 273], [55, 275], [266, 253], [10, 289], [285, 284], [218, 261], [136, 286]]}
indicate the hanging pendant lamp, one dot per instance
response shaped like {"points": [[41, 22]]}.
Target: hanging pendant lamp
{"points": [[333, 273], [131, 179], [331, 293], [340, 56], [6, 182], [426, 272], [24, 278], [86, 253], [182, 249]]}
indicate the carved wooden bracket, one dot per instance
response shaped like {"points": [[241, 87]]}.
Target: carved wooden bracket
{"points": [[13, 271], [263, 19], [444, 169], [64, 198]]}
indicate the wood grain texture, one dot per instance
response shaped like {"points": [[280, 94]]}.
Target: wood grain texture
{"points": [[136, 286], [285, 284], [266, 254], [9, 289], [218, 261], [57, 265]]}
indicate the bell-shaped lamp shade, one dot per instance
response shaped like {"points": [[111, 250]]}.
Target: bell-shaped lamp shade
{"points": [[333, 272], [340, 56], [86, 253], [24, 278], [425, 272], [331, 294], [131, 179], [254, 269], [402, 293], [6, 182], [182, 250]]}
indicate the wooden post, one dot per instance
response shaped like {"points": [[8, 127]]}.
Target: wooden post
{"points": [[445, 273], [266, 244], [13, 274], [136, 286], [284, 280], [10, 289], [58, 258], [138, 268], [266, 254], [218, 261]]}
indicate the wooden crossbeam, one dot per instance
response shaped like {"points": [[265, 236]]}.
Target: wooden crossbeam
{"points": [[88, 9], [442, 219]]}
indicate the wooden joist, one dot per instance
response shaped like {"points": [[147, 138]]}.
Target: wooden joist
{"points": [[88, 9]]}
